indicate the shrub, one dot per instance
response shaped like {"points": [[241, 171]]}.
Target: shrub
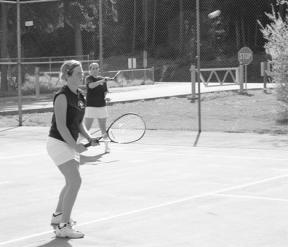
{"points": [[276, 34]]}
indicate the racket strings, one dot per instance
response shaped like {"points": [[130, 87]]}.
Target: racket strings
{"points": [[127, 129]]}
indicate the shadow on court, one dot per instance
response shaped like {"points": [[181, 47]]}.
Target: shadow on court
{"points": [[84, 160], [57, 242], [96, 159]]}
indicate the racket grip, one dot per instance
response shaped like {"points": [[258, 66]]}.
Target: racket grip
{"points": [[87, 145]]}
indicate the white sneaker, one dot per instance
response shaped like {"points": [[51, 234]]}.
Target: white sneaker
{"points": [[57, 219], [66, 231]]}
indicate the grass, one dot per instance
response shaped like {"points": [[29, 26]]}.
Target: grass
{"points": [[256, 112]]}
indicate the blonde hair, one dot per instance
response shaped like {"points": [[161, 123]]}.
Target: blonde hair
{"points": [[93, 64], [67, 68]]}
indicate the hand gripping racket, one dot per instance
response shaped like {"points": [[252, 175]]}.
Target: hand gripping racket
{"points": [[125, 129], [116, 77]]}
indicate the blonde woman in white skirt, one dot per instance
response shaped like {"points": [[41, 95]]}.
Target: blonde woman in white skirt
{"points": [[69, 108]]}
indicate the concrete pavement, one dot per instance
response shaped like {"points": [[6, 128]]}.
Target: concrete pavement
{"points": [[143, 92]]}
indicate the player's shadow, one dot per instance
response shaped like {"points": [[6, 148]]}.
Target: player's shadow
{"points": [[94, 160], [84, 160], [57, 242]]}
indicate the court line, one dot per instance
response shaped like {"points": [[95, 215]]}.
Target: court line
{"points": [[7, 129], [202, 146], [5, 182], [252, 197], [217, 192], [21, 156], [185, 199], [224, 156], [200, 153], [25, 238], [196, 155]]}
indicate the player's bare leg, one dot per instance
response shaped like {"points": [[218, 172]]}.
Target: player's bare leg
{"points": [[102, 126], [68, 195], [57, 216], [88, 123]]}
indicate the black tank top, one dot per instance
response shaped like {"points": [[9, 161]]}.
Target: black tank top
{"points": [[75, 113], [96, 96]]}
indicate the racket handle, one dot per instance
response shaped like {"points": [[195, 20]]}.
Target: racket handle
{"points": [[90, 143], [109, 79], [87, 145]]}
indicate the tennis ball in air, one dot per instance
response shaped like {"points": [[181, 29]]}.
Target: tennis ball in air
{"points": [[214, 14]]}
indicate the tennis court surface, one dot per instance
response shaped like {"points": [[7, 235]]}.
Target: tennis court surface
{"points": [[230, 190]]}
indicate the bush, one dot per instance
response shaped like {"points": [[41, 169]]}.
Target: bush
{"points": [[276, 34]]}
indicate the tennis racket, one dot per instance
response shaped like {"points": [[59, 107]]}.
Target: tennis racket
{"points": [[115, 76], [118, 78], [125, 129]]}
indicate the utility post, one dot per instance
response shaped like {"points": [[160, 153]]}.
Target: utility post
{"points": [[19, 51]]}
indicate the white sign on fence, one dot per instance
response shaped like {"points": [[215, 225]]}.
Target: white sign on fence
{"points": [[131, 63], [29, 23]]}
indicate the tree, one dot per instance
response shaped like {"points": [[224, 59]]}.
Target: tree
{"points": [[4, 48], [79, 15], [276, 35], [241, 19]]}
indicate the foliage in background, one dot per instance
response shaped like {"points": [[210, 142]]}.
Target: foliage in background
{"points": [[58, 26], [276, 34], [166, 29]]}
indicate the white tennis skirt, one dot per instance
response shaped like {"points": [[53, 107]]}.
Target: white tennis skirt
{"points": [[96, 112], [60, 152]]}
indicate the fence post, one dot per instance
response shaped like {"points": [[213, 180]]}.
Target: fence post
{"points": [[153, 74], [193, 82], [237, 73], [264, 67], [241, 78], [37, 84]]}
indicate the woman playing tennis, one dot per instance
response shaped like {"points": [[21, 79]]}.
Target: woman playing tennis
{"points": [[62, 146], [96, 101]]}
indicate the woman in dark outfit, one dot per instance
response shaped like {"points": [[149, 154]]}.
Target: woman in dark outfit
{"points": [[62, 146], [96, 101]]}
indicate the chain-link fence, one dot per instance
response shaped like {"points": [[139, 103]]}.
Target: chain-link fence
{"points": [[159, 34], [152, 41]]}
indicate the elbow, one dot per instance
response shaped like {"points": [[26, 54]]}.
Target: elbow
{"points": [[62, 129]]}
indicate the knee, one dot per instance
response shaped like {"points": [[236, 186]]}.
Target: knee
{"points": [[78, 182], [88, 123], [75, 182]]}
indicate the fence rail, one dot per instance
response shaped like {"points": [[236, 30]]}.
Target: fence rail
{"points": [[220, 75], [207, 76]]}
